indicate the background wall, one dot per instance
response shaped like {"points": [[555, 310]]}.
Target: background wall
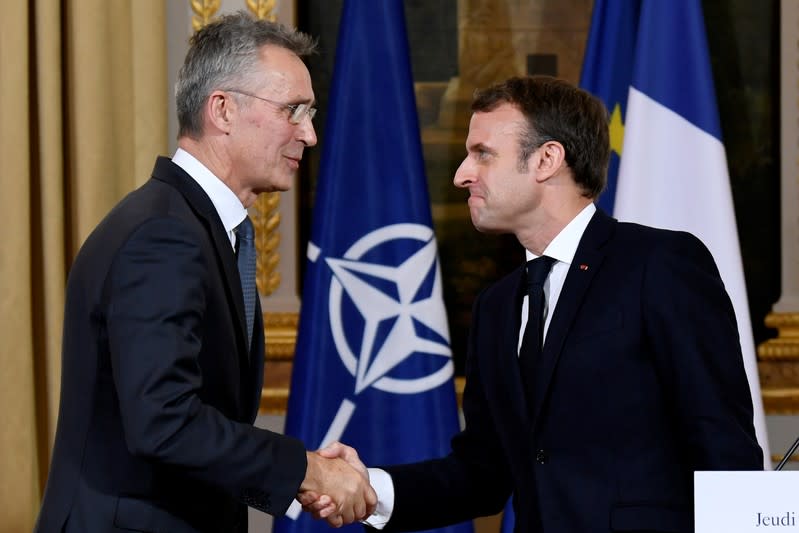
{"points": [[459, 44]]}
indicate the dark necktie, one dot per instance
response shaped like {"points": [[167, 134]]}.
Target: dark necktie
{"points": [[246, 262], [530, 352]]}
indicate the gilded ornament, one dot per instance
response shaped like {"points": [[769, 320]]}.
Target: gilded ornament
{"points": [[204, 10], [262, 9]]}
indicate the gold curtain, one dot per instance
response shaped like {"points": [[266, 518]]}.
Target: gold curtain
{"points": [[83, 113]]}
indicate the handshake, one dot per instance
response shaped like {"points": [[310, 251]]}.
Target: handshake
{"points": [[336, 486]]}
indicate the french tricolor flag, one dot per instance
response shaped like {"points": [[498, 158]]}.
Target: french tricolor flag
{"points": [[673, 170]]}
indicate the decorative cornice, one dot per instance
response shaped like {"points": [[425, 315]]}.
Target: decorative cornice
{"points": [[779, 349], [274, 400], [280, 330], [783, 320], [780, 401], [786, 345], [779, 365]]}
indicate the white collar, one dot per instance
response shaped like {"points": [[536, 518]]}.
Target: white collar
{"points": [[564, 245], [227, 204]]}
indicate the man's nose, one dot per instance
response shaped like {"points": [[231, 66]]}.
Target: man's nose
{"points": [[464, 175], [307, 132]]}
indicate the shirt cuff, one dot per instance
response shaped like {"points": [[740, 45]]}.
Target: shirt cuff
{"points": [[384, 487]]}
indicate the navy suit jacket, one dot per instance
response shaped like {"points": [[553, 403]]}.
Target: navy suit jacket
{"points": [[641, 382], [158, 391]]}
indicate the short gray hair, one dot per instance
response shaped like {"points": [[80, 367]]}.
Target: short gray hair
{"points": [[225, 53]]}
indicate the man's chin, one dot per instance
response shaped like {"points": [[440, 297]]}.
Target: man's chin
{"points": [[280, 185], [484, 227]]}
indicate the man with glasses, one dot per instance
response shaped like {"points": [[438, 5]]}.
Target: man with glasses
{"points": [[163, 343]]}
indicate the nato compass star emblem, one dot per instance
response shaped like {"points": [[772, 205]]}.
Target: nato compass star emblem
{"points": [[404, 309]]}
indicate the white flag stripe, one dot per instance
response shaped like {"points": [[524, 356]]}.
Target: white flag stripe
{"points": [[674, 175]]}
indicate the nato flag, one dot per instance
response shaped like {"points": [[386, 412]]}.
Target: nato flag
{"points": [[373, 366]]}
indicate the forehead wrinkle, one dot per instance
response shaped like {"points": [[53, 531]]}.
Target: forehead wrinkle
{"points": [[285, 76], [490, 137]]}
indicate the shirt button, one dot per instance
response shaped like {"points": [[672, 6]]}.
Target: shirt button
{"points": [[540, 457]]}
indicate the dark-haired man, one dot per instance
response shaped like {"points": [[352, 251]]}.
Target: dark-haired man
{"points": [[595, 389]]}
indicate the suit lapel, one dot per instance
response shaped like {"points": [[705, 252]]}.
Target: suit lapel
{"points": [[165, 170], [586, 263]]}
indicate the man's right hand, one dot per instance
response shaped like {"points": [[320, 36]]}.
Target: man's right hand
{"points": [[347, 487]]}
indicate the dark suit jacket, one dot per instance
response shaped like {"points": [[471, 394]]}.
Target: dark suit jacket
{"points": [[158, 391], [641, 382]]}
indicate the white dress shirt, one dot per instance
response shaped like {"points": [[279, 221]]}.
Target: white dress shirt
{"points": [[227, 204], [562, 249]]}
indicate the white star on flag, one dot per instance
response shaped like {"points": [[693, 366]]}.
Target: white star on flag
{"points": [[376, 306]]}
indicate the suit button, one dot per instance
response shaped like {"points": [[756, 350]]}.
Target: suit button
{"points": [[540, 457]]}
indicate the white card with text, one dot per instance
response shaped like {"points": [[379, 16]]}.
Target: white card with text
{"points": [[746, 502]]}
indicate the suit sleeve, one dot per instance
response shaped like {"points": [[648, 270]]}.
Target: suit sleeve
{"points": [[156, 319], [692, 328], [473, 480]]}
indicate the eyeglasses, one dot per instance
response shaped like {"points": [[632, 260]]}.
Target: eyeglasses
{"points": [[298, 111]]}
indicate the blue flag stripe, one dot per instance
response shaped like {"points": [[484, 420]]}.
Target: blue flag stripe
{"points": [[676, 69], [608, 67]]}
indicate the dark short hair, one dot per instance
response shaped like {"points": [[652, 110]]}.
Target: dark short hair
{"points": [[226, 53], [557, 111]]}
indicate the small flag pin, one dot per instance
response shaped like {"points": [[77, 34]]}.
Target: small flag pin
{"points": [[583, 267]]}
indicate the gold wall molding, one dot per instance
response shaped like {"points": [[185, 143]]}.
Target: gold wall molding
{"points": [[786, 345], [780, 401], [266, 220], [778, 458], [204, 11], [779, 365], [274, 400], [280, 330]]}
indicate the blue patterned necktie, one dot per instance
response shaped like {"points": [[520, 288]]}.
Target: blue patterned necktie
{"points": [[245, 234], [530, 352]]}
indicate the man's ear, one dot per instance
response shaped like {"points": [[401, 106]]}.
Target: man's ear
{"points": [[219, 111], [552, 157]]}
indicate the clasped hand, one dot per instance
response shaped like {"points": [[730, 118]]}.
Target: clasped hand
{"points": [[336, 486]]}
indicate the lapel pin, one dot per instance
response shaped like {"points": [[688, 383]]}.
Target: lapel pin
{"points": [[583, 267]]}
